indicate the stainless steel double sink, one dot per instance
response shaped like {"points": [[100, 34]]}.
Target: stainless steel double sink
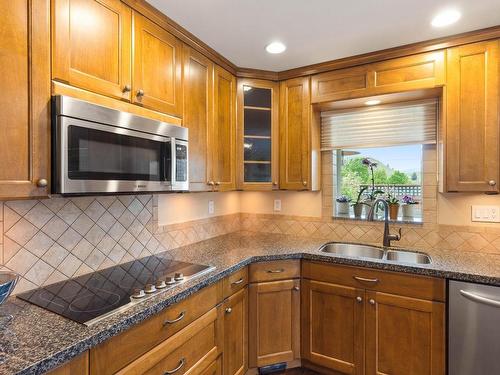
{"points": [[372, 252]]}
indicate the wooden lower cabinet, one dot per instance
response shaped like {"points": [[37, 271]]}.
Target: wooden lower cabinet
{"points": [[274, 322], [236, 333], [215, 368], [404, 335], [333, 326], [77, 366]]}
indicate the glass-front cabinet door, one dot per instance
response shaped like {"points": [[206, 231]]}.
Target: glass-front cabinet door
{"points": [[258, 134]]}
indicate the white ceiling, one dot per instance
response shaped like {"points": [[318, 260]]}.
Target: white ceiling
{"points": [[318, 30]]}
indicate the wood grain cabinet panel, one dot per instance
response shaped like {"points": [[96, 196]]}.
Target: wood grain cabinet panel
{"points": [[224, 130], [404, 335], [339, 84], [236, 333], [92, 45], [157, 68], [274, 322], [472, 118], [198, 117], [25, 117], [333, 326], [77, 366]]}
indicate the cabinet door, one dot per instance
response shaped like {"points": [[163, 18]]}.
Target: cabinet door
{"points": [[333, 326], [198, 117], [235, 334], [77, 366], [472, 118], [224, 130], [24, 118], [295, 120], [91, 45], [157, 72], [404, 335], [274, 322], [258, 132]]}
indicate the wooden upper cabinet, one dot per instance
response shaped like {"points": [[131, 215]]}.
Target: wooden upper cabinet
{"points": [[472, 98], [224, 130], [157, 68], [258, 134], [236, 333], [92, 46], [415, 72], [274, 322], [299, 133], [404, 335], [198, 117], [25, 117], [333, 326]]}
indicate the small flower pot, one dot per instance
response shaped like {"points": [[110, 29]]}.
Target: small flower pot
{"points": [[358, 210], [408, 210], [342, 208], [393, 211]]}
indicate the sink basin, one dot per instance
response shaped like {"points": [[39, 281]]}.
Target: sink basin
{"points": [[408, 257], [371, 252], [353, 250]]}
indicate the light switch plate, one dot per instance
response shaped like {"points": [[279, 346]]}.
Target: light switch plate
{"points": [[211, 207], [277, 205], [487, 214]]}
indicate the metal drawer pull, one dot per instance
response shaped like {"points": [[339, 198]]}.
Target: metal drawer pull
{"points": [[363, 279], [480, 299], [276, 271], [229, 310], [179, 318], [182, 362], [237, 282]]}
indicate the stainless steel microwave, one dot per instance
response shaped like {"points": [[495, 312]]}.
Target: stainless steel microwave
{"points": [[101, 150]]}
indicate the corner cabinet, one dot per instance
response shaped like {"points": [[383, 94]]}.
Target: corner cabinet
{"points": [[25, 116], [258, 134], [236, 333], [472, 134], [224, 131], [299, 137]]}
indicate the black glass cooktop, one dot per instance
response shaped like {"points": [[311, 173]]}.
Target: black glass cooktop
{"points": [[88, 298]]}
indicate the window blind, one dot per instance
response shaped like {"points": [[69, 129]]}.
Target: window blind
{"points": [[383, 125]]}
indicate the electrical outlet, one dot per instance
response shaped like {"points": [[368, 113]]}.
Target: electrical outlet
{"points": [[490, 214], [211, 207], [277, 205]]}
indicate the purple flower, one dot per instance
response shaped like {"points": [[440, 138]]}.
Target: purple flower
{"points": [[409, 200]]}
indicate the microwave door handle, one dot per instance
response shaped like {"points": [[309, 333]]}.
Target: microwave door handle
{"points": [[173, 161]]}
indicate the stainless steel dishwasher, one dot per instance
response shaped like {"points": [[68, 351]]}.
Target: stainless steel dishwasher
{"points": [[474, 329]]}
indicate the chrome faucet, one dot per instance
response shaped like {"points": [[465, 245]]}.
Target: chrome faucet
{"points": [[387, 236]]}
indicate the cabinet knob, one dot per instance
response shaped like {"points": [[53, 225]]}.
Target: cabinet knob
{"points": [[304, 183], [140, 93], [42, 183], [275, 183], [229, 310], [359, 299], [296, 288], [372, 301], [492, 182], [217, 183], [127, 88], [210, 183]]}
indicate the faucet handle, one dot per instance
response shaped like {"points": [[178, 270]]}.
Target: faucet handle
{"points": [[398, 236]]}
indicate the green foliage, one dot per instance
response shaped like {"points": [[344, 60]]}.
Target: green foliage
{"points": [[398, 178]]}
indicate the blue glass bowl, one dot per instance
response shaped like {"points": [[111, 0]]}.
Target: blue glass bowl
{"points": [[8, 281]]}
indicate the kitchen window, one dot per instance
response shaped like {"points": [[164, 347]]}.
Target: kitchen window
{"points": [[377, 152]]}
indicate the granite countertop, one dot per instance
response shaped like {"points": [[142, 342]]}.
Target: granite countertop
{"points": [[37, 340]]}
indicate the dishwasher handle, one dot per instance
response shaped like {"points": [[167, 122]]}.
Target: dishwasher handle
{"points": [[480, 299]]}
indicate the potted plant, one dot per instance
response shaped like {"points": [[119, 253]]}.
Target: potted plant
{"points": [[372, 195], [358, 205], [393, 203], [343, 205], [409, 206]]}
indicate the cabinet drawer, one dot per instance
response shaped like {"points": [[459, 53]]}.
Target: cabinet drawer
{"points": [[189, 351], [416, 286], [235, 282], [115, 353], [274, 270]]}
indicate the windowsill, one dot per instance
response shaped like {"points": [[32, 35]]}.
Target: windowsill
{"points": [[400, 220]]}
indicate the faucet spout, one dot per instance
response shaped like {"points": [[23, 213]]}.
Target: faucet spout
{"points": [[370, 217]]}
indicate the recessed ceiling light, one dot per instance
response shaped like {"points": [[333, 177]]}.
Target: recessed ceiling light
{"points": [[446, 17], [373, 102], [275, 47]]}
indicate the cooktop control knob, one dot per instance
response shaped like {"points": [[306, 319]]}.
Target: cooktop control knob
{"points": [[150, 288], [169, 280], [160, 284], [178, 276], [138, 293]]}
